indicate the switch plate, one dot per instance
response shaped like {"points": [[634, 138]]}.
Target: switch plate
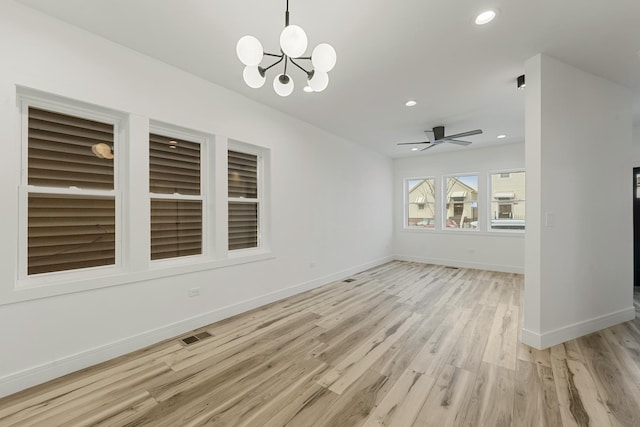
{"points": [[549, 219]]}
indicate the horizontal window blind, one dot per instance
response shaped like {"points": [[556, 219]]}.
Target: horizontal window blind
{"points": [[243, 175], [243, 215], [174, 166], [176, 228], [61, 151], [69, 232], [243, 225]]}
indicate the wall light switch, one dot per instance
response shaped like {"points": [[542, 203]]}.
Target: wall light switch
{"points": [[549, 219]]}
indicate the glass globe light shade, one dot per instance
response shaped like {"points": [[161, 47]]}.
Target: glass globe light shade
{"points": [[249, 50], [252, 76], [319, 81], [323, 57], [283, 85], [293, 41]]}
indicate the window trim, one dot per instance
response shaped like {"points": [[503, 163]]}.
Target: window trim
{"points": [[205, 141], [489, 201], [443, 208], [263, 162], [405, 193], [25, 99], [133, 269]]}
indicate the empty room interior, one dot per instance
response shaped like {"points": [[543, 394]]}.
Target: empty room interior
{"points": [[294, 213]]}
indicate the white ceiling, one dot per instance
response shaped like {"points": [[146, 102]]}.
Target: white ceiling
{"points": [[462, 75]]}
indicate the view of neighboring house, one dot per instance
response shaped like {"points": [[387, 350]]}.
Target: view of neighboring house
{"points": [[508, 200], [506, 204], [461, 202], [422, 203]]}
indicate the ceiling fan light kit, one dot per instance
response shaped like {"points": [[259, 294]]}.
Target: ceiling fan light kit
{"points": [[293, 44]]}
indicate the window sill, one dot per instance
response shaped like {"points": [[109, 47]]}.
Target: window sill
{"points": [[26, 289], [459, 232]]}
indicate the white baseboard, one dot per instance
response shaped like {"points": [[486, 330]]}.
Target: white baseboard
{"points": [[576, 330], [30, 377], [462, 264]]}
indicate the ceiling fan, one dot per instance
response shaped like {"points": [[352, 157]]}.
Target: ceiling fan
{"points": [[439, 138]]}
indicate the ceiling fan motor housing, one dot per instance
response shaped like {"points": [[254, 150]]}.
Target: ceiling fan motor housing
{"points": [[438, 132]]}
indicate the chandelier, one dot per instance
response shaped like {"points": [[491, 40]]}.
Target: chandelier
{"points": [[293, 44]]}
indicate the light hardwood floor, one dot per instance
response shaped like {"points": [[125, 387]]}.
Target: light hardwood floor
{"points": [[403, 344]]}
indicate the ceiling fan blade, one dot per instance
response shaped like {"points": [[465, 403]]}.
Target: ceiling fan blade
{"points": [[458, 142], [413, 143], [430, 146], [463, 134]]}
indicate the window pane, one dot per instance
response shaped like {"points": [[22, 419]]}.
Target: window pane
{"points": [[70, 232], [462, 202], [243, 175], [243, 225], [67, 151], [508, 201], [421, 196], [176, 228], [174, 166]]}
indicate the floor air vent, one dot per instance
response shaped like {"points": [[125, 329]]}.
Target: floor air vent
{"points": [[195, 338]]}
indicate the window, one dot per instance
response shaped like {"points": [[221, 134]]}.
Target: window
{"points": [[421, 207], [175, 187], [507, 201], [461, 202], [70, 187], [244, 200]]}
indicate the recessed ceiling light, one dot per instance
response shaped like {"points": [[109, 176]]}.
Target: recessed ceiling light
{"points": [[414, 149], [307, 89], [410, 103], [501, 136], [485, 17]]}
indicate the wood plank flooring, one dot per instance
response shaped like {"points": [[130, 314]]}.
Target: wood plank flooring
{"points": [[403, 344]]}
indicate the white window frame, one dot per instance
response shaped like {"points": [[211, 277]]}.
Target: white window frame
{"points": [[263, 168], [133, 216], [489, 201], [405, 191], [443, 208], [29, 98], [172, 131]]}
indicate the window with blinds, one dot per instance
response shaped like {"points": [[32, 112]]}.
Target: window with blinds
{"points": [[71, 201], [176, 197], [244, 201]]}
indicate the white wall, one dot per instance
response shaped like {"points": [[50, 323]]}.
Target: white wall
{"points": [[636, 146], [316, 237], [498, 251], [578, 275]]}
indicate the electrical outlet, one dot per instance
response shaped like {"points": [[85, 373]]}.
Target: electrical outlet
{"points": [[194, 292]]}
